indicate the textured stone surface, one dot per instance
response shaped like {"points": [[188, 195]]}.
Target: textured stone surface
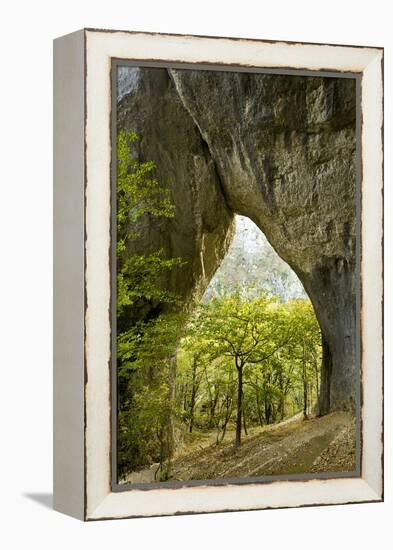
{"points": [[278, 149], [201, 231]]}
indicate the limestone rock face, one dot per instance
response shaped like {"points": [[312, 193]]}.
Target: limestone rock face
{"points": [[278, 149], [201, 230]]}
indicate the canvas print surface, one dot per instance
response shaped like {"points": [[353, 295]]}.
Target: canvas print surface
{"points": [[236, 311]]}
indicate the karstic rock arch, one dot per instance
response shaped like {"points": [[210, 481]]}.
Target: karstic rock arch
{"points": [[278, 149]]}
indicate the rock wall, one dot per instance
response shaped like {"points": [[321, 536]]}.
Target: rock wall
{"points": [[278, 149], [201, 231]]}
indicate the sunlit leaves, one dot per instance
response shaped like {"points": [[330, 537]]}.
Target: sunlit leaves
{"points": [[138, 191], [247, 330], [139, 194], [276, 344], [145, 371]]}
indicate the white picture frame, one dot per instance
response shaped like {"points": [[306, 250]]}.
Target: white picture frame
{"points": [[82, 176]]}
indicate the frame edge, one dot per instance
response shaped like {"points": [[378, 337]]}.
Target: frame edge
{"points": [[69, 265]]}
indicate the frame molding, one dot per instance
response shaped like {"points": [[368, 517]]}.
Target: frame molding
{"points": [[82, 476]]}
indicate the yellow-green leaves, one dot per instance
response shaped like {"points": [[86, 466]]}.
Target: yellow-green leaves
{"points": [[138, 193]]}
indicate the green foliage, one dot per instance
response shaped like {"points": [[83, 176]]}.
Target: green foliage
{"points": [[150, 345], [249, 331], [139, 194], [145, 378], [275, 345], [138, 276], [147, 359]]}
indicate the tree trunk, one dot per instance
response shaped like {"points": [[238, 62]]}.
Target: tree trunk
{"points": [[316, 378], [169, 422], [326, 373], [282, 397], [193, 397], [244, 419], [185, 404], [305, 388], [282, 408], [305, 399], [239, 405], [228, 414], [191, 425], [258, 402], [268, 411], [221, 436], [212, 410]]}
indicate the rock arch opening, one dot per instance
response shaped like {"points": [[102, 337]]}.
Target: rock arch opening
{"points": [[252, 263]]}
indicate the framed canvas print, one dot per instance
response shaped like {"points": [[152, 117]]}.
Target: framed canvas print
{"points": [[218, 274]]}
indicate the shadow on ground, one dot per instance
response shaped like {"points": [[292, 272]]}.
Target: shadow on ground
{"points": [[45, 499]]}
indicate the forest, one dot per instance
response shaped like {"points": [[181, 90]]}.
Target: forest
{"points": [[215, 373]]}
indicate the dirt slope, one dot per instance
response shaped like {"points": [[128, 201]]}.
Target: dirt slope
{"points": [[298, 446]]}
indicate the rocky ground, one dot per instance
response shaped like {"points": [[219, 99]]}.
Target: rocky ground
{"points": [[325, 444], [341, 452]]}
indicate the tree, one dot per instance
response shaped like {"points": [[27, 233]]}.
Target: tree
{"points": [[205, 384], [190, 371], [305, 349], [138, 194], [247, 331], [145, 379], [149, 351]]}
